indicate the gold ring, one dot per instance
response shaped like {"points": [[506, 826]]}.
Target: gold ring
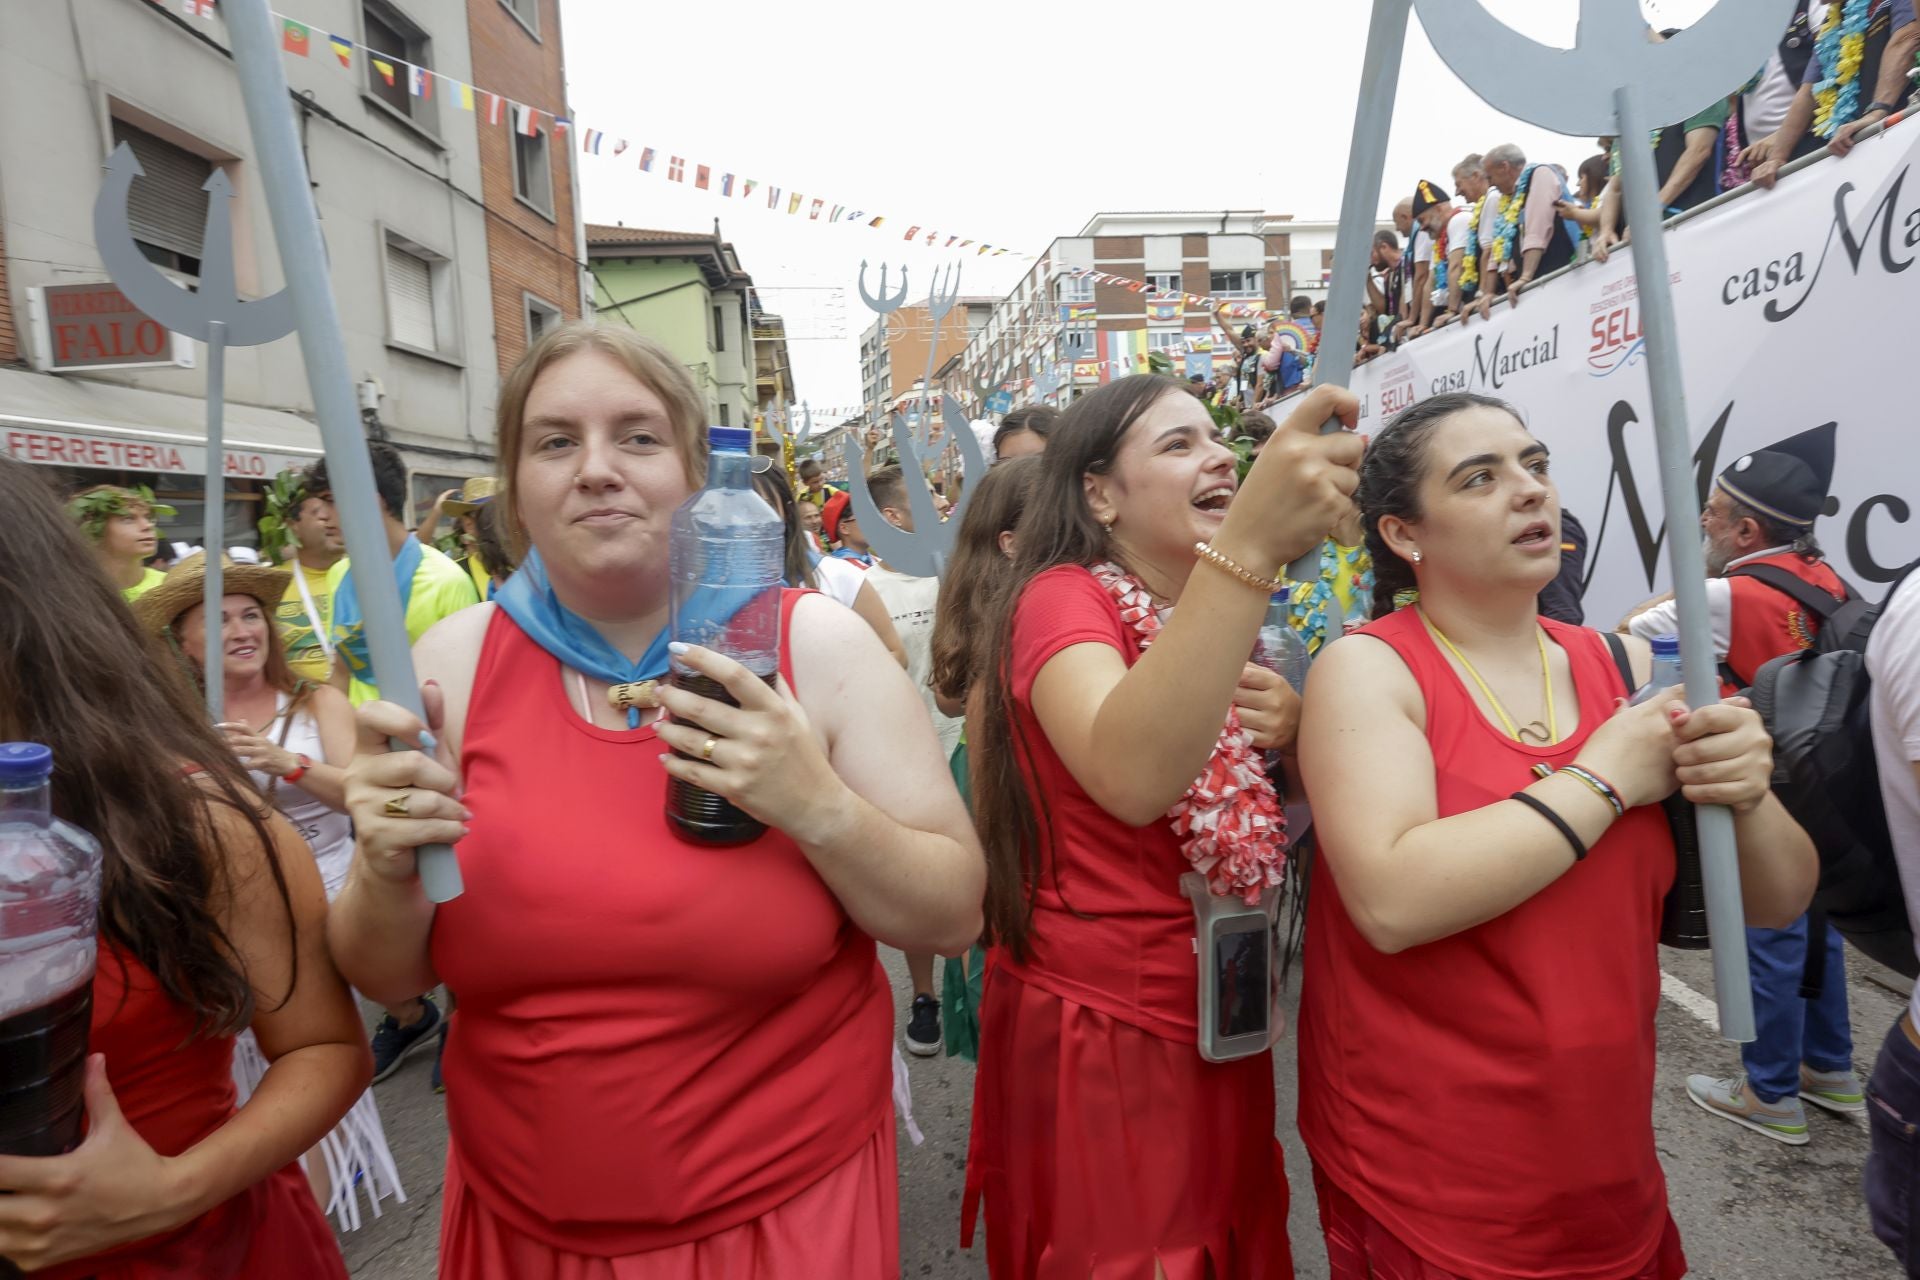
{"points": [[397, 807], [706, 751]]}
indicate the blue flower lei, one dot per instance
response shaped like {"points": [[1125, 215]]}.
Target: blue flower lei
{"points": [[1827, 45], [1307, 603]]}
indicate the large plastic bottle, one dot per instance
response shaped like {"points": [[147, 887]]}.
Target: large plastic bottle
{"points": [[1683, 921], [49, 911], [728, 557], [1279, 647]]}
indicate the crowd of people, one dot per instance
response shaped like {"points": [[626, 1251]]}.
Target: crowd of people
{"points": [[1068, 779]]}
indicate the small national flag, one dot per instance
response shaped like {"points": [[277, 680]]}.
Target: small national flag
{"points": [[590, 141], [295, 38], [342, 49], [385, 69], [855, 216], [495, 106], [560, 125], [982, 249], [949, 243], [837, 211], [206, 9], [646, 159], [913, 233], [726, 184], [878, 219], [700, 176], [676, 169], [814, 214], [466, 96], [419, 81], [998, 252], [965, 243], [526, 121], [773, 197], [931, 237], [619, 146], [793, 202], [746, 188]]}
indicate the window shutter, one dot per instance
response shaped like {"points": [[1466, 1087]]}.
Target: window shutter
{"points": [[410, 299], [166, 207]]}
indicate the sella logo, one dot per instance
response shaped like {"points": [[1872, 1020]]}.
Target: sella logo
{"points": [[1618, 340]]}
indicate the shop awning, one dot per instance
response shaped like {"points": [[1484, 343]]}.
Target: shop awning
{"points": [[76, 422]]}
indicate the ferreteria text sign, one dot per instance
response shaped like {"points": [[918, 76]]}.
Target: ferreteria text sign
{"points": [[93, 326], [1794, 308], [116, 453]]}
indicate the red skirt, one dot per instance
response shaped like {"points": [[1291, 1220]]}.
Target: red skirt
{"points": [[1102, 1150], [1360, 1248], [845, 1225]]}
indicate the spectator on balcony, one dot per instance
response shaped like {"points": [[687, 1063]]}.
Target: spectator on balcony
{"points": [[1531, 239], [1831, 110], [1450, 227]]}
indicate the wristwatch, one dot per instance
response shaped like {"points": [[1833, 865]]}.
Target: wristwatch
{"points": [[1887, 108], [302, 763]]}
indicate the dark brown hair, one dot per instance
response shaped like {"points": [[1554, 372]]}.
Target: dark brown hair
{"points": [[1390, 475], [136, 763], [1037, 418], [975, 572], [772, 488], [1057, 528]]}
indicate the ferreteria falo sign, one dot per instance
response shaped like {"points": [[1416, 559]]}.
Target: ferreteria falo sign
{"points": [[1794, 310], [93, 326]]}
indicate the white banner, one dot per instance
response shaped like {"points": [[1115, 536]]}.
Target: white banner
{"points": [[1796, 306]]}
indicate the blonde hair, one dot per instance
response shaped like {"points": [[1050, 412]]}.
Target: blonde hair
{"points": [[643, 357]]}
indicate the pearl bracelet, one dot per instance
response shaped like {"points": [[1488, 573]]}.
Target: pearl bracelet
{"points": [[1269, 586]]}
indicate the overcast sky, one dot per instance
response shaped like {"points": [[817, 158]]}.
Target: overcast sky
{"points": [[1008, 123]]}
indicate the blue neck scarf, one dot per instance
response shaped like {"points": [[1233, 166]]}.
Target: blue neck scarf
{"points": [[528, 599], [349, 626]]}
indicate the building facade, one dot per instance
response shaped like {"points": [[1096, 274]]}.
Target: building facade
{"points": [[894, 352], [687, 290], [415, 200]]}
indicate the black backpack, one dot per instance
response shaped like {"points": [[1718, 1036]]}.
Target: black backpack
{"points": [[1816, 704]]}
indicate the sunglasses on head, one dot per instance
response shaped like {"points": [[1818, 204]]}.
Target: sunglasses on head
{"points": [[762, 463]]}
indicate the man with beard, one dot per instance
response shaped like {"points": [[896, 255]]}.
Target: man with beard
{"points": [[1768, 589]]}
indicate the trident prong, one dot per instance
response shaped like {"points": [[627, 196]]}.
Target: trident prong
{"points": [[806, 423], [940, 301], [923, 552], [885, 304]]}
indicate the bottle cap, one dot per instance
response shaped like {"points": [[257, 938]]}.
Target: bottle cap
{"points": [[1666, 646], [731, 439], [24, 763]]}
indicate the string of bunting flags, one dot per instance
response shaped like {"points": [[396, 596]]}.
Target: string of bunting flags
{"points": [[302, 39]]}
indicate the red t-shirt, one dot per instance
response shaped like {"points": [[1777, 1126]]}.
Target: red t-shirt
{"points": [[1111, 929], [1489, 1096], [656, 1041]]}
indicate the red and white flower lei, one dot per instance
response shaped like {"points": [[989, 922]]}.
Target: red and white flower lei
{"points": [[1230, 823]]}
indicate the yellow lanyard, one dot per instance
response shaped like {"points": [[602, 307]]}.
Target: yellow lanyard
{"points": [[1518, 734]]}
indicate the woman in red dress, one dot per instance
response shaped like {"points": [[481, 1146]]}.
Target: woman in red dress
{"points": [[670, 1060], [211, 920], [1103, 1143], [1477, 1021]]}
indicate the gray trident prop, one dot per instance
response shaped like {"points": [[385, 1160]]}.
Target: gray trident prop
{"points": [[296, 226], [216, 316], [1613, 80], [922, 553], [940, 302], [883, 305]]}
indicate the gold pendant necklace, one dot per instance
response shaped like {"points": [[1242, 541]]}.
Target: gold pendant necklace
{"points": [[1534, 732]]}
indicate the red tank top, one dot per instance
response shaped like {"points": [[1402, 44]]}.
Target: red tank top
{"points": [[1766, 622], [655, 1041], [1488, 1096], [175, 1089]]}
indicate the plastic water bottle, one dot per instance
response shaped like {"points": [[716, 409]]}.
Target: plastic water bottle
{"points": [[1666, 668], [727, 561], [49, 910], [1279, 647]]}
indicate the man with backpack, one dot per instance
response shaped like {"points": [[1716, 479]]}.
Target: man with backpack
{"points": [[1769, 592], [1893, 662]]}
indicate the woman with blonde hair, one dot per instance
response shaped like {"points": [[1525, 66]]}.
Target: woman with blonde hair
{"points": [[670, 1060]]}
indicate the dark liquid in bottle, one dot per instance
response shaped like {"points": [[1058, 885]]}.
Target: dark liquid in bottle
{"points": [[697, 815], [43, 1064]]}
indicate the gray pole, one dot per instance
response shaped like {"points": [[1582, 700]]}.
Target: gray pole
{"points": [[1686, 560], [1359, 206], [214, 536], [283, 173]]}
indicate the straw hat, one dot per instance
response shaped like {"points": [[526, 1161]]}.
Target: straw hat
{"points": [[186, 583], [477, 492]]}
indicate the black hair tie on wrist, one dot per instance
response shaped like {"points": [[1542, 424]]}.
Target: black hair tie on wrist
{"points": [[1544, 810]]}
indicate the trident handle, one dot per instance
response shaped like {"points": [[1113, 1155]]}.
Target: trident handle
{"points": [[283, 173]]}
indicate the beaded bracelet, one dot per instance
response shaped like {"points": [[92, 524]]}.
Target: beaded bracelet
{"points": [[1267, 585], [1544, 810]]}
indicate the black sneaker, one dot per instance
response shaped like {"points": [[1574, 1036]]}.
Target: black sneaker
{"points": [[923, 1027], [393, 1042]]}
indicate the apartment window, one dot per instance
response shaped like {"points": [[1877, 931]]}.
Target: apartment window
{"points": [[726, 419], [1234, 284], [533, 172], [719, 330], [541, 316], [1077, 344], [1326, 259], [1076, 289], [166, 209], [1170, 340], [419, 285], [1164, 281], [528, 12], [390, 36]]}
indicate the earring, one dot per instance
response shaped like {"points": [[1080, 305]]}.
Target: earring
{"points": [[1107, 522], [1416, 557]]}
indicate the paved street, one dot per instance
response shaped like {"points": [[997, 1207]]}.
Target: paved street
{"points": [[1748, 1208]]}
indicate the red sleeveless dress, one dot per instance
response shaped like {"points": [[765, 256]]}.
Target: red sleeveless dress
{"points": [[669, 1060], [1103, 1143], [1482, 1105], [174, 1091]]}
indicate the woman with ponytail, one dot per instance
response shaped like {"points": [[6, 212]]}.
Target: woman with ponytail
{"points": [[1477, 1021]]}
